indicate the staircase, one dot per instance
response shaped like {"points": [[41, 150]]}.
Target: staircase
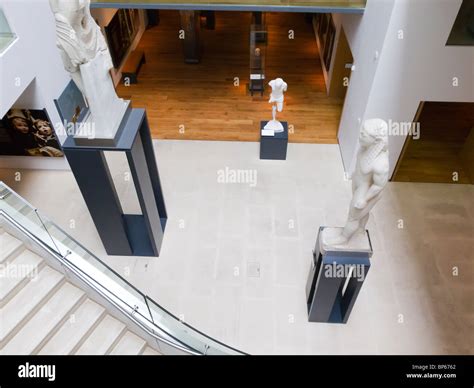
{"points": [[42, 313]]}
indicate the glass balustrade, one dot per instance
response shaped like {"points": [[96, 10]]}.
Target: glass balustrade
{"points": [[7, 36], [176, 335]]}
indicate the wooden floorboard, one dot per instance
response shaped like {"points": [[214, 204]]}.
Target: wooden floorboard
{"points": [[436, 156], [433, 162], [203, 98]]}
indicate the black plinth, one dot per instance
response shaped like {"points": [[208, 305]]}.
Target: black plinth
{"points": [[122, 234], [274, 147], [334, 281]]}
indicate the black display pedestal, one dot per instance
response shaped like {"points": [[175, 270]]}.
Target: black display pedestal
{"points": [[122, 234], [274, 147], [257, 84], [335, 279]]}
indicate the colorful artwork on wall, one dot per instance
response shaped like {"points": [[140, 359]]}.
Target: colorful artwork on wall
{"points": [[28, 132]]}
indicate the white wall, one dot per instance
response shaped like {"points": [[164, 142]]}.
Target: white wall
{"points": [[366, 35], [32, 62], [417, 68], [31, 71]]}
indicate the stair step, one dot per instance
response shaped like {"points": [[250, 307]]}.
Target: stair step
{"points": [[37, 330], [9, 247], [103, 338], [70, 335], [27, 301], [150, 352], [18, 273], [129, 344]]}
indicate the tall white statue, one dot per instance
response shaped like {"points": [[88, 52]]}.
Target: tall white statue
{"points": [[276, 98], [368, 181], [87, 58]]}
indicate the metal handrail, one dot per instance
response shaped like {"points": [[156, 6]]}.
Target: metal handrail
{"points": [[87, 279], [150, 326]]}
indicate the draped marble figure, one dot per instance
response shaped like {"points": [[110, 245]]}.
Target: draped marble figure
{"points": [[368, 180], [86, 57]]}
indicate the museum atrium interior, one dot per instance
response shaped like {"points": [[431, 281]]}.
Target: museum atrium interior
{"points": [[198, 178]]}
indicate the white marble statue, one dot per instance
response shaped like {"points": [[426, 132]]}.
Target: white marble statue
{"points": [[276, 98], [368, 181], [87, 58]]}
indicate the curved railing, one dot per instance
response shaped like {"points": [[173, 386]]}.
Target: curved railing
{"points": [[7, 36], [172, 335]]}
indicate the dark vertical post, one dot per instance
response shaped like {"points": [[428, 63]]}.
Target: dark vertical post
{"points": [[93, 178], [145, 193], [147, 142], [329, 272], [153, 16], [190, 25], [122, 234], [210, 19], [350, 295], [324, 297], [257, 17]]}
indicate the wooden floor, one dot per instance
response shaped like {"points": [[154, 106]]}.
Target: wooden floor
{"points": [[433, 162], [203, 98], [444, 128]]}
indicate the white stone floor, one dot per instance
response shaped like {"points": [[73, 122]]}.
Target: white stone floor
{"points": [[218, 232]]}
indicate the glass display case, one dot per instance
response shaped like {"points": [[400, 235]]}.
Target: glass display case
{"points": [[7, 36], [325, 30], [258, 43]]}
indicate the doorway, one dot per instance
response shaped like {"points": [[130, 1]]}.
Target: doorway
{"points": [[444, 152], [209, 100]]}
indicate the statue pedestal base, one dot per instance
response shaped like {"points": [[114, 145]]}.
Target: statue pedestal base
{"points": [[122, 234], [275, 126], [358, 241], [274, 147], [91, 132], [89, 135], [336, 277]]}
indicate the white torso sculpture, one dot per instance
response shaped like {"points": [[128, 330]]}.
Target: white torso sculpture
{"points": [[368, 180], [87, 58], [276, 98]]}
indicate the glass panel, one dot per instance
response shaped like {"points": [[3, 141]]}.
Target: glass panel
{"points": [[101, 277], [59, 241], [119, 169], [258, 44], [23, 213], [6, 34], [184, 333], [98, 272]]}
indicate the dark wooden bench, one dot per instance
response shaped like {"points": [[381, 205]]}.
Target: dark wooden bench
{"points": [[132, 66]]}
